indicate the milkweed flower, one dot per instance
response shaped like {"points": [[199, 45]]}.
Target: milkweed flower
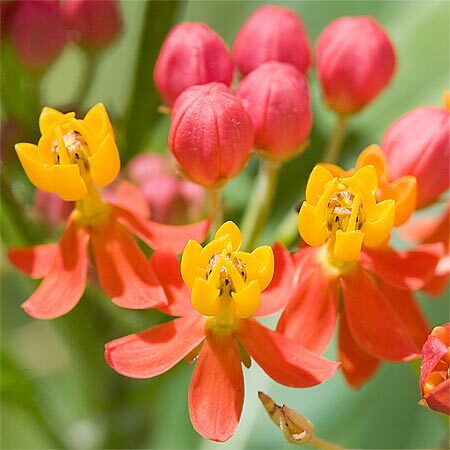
{"points": [[418, 144], [227, 287], [435, 370], [347, 230], [93, 24], [428, 230], [276, 96], [192, 54], [211, 134], [403, 190], [272, 33], [355, 62], [72, 157], [37, 32]]}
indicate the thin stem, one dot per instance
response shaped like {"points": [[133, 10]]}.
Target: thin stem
{"points": [[87, 77], [337, 139], [322, 443], [216, 208], [260, 204], [23, 231]]}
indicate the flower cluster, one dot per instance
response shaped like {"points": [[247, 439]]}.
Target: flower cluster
{"points": [[346, 272], [92, 24]]}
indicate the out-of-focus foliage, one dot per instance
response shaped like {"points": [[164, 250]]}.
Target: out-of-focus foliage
{"points": [[57, 390]]}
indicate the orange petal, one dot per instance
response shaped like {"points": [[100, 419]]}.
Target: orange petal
{"points": [[167, 268], [156, 350], [408, 311], [406, 269], [439, 398], [357, 365], [65, 282], [172, 238], [310, 316], [432, 352], [277, 294], [372, 321], [124, 272], [216, 393], [128, 196], [405, 196], [35, 262], [283, 360]]}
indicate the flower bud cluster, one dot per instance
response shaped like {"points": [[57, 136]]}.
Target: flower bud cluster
{"points": [[273, 54], [39, 30]]}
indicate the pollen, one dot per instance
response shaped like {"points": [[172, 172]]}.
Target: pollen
{"points": [[75, 145], [339, 211]]}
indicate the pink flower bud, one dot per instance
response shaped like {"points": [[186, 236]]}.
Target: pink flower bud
{"points": [[276, 97], [211, 134], [272, 33], [51, 209], [355, 62], [171, 199], [192, 54], [93, 24], [418, 143], [145, 166], [37, 32]]}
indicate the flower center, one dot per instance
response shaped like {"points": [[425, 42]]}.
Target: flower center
{"points": [[226, 285], [344, 212], [70, 148]]}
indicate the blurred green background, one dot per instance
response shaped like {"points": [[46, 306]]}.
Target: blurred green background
{"points": [[56, 389]]}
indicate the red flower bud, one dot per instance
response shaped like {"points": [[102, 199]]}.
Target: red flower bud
{"points": [[192, 54], [211, 134], [418, 143], [37, 32], [435, 370], [276, 97], [355, 62], [93, 24], [272, 33]]}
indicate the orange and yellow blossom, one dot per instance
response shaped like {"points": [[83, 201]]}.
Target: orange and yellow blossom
{"points": [[226, 288], [435, 370], [72, 159], [347, 220]]}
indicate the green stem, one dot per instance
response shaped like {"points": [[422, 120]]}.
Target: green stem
{"points": [[16, 228], [260, 204], [337, 139], [216, 209], [88, 75], [287, 231]]}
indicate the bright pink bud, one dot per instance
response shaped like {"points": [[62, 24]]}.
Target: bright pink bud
{"points": [[93, 24], [192, 54], [37, 32], [355, 62], [211, 134], [418, 143], [272, 33], [277, 99], [171, 199], [51, 209], [435, 370]]}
